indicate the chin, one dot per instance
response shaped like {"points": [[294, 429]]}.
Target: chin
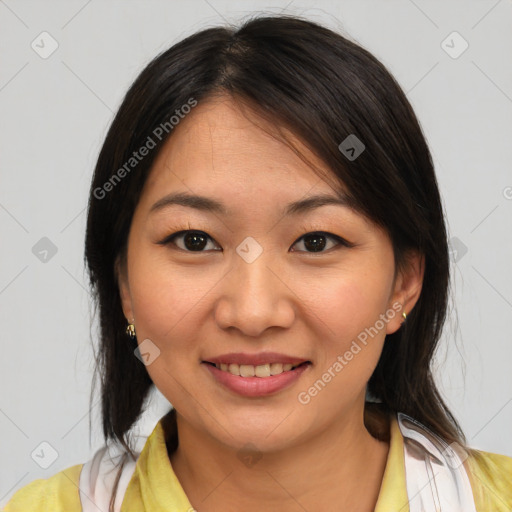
{"points": [[264, 434]]}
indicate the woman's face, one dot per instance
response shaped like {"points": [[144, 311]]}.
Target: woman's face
{"points": [[259, 286]]}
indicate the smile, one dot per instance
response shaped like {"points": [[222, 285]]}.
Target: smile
{"points": [[256, 380], [262, 370]]}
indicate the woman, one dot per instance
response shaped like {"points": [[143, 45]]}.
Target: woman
{"points": [[267, 246]]}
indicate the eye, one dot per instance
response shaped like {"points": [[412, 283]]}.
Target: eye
{"points": [[316, 242], [192, 241]]}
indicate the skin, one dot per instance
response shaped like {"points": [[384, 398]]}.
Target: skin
{"points": [[195, 305]]}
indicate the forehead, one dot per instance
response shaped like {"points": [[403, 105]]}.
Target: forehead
{"points": [[219, 149]]}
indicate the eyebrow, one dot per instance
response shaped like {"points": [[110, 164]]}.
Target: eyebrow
{"points": [[209, 204]]}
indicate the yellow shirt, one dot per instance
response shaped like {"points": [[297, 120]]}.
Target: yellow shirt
{"points": [[154, 486]]}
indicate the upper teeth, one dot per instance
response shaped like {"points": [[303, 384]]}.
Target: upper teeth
{"points": [[249, 370]]}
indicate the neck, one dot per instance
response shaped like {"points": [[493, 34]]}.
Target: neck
{"points": [[340, 468]]}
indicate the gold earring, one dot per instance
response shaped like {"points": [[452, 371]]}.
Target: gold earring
{"points": [[130, 330], [404, 314]]}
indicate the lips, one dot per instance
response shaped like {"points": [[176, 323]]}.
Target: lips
{"points": [[256, 375]]}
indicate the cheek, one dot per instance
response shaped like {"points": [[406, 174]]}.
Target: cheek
{"points": [[166, 305], [350, 332], [349, 304], [350, 338], [165, 300]]}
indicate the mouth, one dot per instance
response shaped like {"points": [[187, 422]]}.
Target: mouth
{"points": [[256, 375], [261, 370]]}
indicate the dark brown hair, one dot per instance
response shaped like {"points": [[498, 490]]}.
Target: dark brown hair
{"points": [[322, 87]]}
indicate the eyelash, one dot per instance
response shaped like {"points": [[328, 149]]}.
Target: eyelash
{"points": [[170, 240]]}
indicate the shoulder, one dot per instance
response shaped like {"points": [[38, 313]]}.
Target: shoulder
{"points": [[59, 493], [82, 487], [491, 480]]}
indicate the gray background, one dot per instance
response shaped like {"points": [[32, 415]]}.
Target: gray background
{"points": [[55, 112]]}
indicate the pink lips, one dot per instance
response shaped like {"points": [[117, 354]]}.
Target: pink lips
{"points": [[256, 386]]}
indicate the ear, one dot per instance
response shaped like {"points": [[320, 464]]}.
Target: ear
{"points": [[407, 289], [120, 269]]}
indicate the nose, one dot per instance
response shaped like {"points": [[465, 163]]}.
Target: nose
{"points": [[254, 297]]}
